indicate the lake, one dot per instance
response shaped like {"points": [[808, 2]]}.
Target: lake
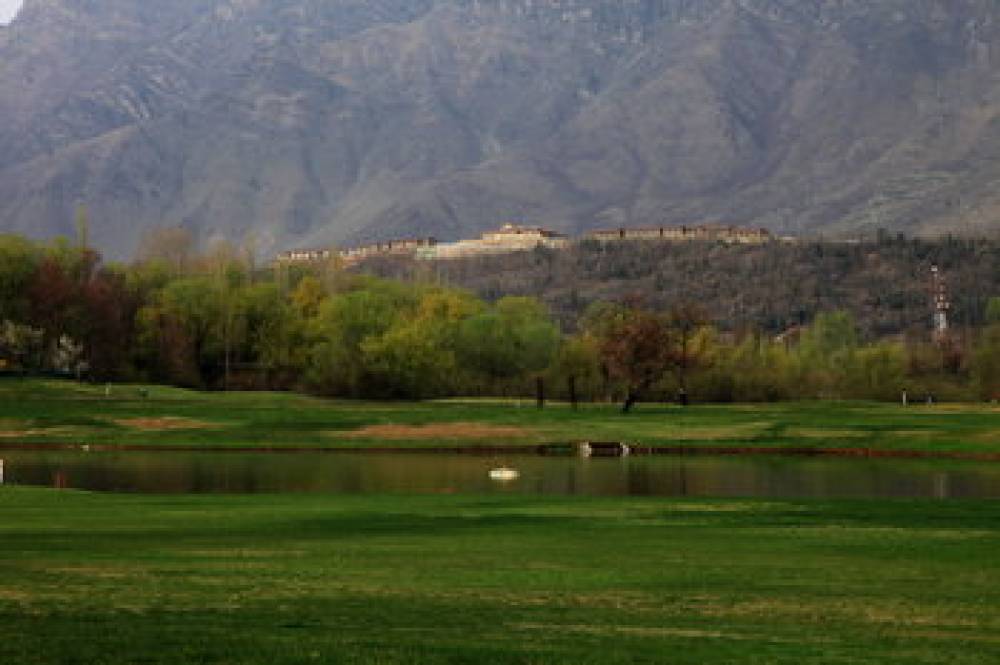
{"points": [[319, 472]]}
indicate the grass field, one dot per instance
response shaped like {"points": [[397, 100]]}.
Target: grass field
{"points": [[53, 412], [282, 579], [90, 578]]}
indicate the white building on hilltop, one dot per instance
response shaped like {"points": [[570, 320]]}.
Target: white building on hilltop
{"points": [[508, 238]]}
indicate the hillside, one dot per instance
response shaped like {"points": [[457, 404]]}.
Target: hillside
{"points": [[885, 282], [317, 121]]}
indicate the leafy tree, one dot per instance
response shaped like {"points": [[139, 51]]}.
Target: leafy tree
{"points": [[578, 364], [18, 263], [344, 322], [21, 346], [513, 338], [635, 346], [877, 372], [55, 301], [417, 357], [272, 333], [189, 318], [755, 369], [825, 349], [307, 297], [109, 324]]}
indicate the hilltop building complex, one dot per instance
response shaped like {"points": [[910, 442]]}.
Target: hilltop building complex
{"points": [[508, 238], [516, 238], [706, 232]]}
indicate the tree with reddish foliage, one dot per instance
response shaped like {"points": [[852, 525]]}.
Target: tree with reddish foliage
{"points": [[109, 324], [74, 299], [54, 300], [635, 347]]}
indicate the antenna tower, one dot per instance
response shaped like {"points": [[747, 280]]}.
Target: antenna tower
{"points": [[942, 304]]}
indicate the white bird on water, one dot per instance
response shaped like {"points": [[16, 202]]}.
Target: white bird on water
{"points": [[504, 474]]}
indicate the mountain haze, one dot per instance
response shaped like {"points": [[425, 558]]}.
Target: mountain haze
{"points": [[316, 121]]}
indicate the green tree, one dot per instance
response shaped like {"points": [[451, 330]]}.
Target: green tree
{"points": [[417, 357], [508, 341], [826, 348], [189, 320], [19, 260], [755, 369], [273, 334], [577, 364], [877, 372], [307, 297], [344, 322]]}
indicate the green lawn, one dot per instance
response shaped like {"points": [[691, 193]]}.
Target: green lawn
{"points": [[54, 412], [90, 578]]}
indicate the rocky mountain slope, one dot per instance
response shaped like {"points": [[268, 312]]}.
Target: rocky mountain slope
{"points": [[315, 121]]}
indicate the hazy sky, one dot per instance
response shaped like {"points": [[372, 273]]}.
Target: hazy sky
{"points": [[7, 9]]}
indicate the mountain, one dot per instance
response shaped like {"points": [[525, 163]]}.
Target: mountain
{"points": [[317, 121]]}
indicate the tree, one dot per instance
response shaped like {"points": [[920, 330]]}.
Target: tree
{"points": [[513, 338], [416, 358], [877, 371], [18, 263], [635, 347], [21, 346], [54, 301], [578, 363], [307, 297], [272, 334], [108, 325], [344, 322], [826, 348], [189, 317]]}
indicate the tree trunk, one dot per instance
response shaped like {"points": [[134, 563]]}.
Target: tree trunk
{"points": [[571, 384], [540, 392], [631, 397]]}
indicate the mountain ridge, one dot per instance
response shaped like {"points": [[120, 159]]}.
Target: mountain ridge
{"points": [[310, 122]]}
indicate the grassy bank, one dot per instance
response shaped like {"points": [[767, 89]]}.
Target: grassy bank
{"points": [[443, 579], [52, 412]]}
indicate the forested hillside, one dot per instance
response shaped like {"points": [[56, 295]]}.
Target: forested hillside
{"points": [[885, 282]]}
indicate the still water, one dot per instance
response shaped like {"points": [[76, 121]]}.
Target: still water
{"points": [[766, 477]]}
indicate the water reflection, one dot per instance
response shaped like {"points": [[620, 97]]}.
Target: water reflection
{"points": [[428, 473]]}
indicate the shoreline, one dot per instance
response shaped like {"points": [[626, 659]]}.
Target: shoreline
{"points": [[539, 450]]}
